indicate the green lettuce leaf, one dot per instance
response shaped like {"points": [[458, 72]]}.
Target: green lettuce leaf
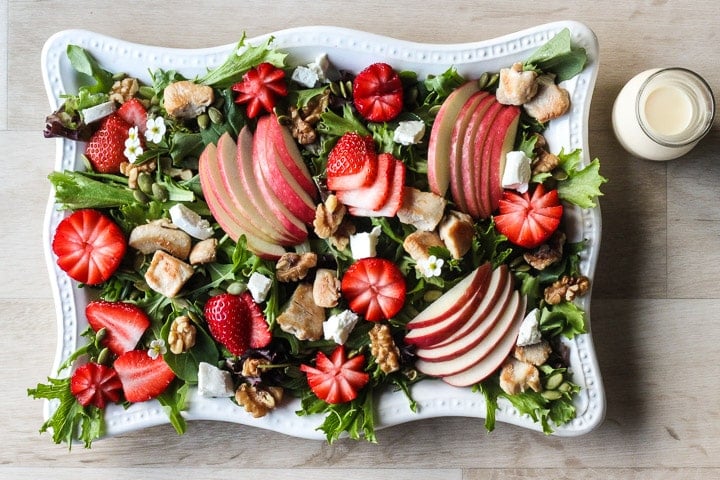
{"points": [[582, 185], [558, 56]]}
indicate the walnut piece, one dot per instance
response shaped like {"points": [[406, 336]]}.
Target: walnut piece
{"points": [[328, 217], [326, 288], [252, 367], [516, 86], [550, 102], [186, 99], [132, 170], [302, 317], [547, 253], [545, 162], [383, 348], [566, 289], [258, 401], [292, 267], [182, 335], [125, 89]]}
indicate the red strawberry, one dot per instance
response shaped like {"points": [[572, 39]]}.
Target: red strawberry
{"points": [[106, 146], [528, 221], [393, 202], [352, 163], [124, 323], [89, 246], [143, 378], [95, 384], [378, 93], [260, 335], [260, 88], [230, 321], [134, 113], [336, 379], [375, 195], [375, 288]]}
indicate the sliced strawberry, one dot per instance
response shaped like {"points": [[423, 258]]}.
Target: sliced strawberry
{"points": [[375, 195], [378, 93], [260, 335], [394, 199], [260, 88], [134, 113], [229, 320], [375, 288], [336, 379], [528, 221], [89, 246], [124, 323], [143, 378], [95, 384], [352, 163], [105, 148]]}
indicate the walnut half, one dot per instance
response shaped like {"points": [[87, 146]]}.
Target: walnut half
{"points": [[292, 267], [182, 335], [258, 401], [567, 288]]}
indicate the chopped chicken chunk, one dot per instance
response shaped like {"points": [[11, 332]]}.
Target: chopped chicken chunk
{"points": [[535, 354], [205, 251], [167, 274], [517, 376], [423, 210], [550, 102], [418, 244], [186, 99], [302, 317], [516, 86], [160, 235], [457, 231]]}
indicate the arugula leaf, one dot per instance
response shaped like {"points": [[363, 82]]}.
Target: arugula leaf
{"points": [[558, 56], [335, 125], [173, 402], [84, 63], [75, 190], [241, 59], [440, 86], [186, 365]]}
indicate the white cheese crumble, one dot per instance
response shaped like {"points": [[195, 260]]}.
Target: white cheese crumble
{"points": [[323, 69], [529, 330], [190, 222], [517, 171], [305, 76], [259, 286], [362, 245], [97, 112], [214, 382], [409, 132], [338, 327]]}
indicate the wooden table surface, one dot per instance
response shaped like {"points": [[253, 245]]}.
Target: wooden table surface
{"points": [[655, 318]]}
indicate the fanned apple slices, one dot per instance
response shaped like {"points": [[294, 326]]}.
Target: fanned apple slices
{"points": [[466, 334], [259, 187]]}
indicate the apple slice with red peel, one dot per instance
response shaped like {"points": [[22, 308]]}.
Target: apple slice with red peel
{"points": [[494, 359], [394, 201], [473, 184], [457, 146], [470, 160], [439, 142], [505, 326], [482, 321], [290, 155], [222, 209], [504, 133], [374, 196], [454, 299]]}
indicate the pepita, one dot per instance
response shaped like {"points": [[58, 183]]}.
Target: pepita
{"points": [[236, 288], [146, 92], [140, 196], [203, 121], [103, 356], [215, 115], [145, 182], [554, 381], [159, 192], [551, 395]]}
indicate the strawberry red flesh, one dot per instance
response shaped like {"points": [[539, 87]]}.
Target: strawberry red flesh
{"points": [[89, 246], [393, 202], [230, 321], [95, 384], [375, 195], [260, 335], [528, 221], [260, 88], [375, 288], [352, 162], [105, 149], [378, 93], [134, 113], [336, 379], [143, 378], [124, 324]]}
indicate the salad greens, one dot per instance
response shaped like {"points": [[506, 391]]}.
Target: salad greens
{"points": [[178, 151]]}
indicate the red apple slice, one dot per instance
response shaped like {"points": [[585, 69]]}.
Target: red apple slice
{"points": [[457, 147], [483, 322], [394, 200], [504, 132], [452, 300], [374, 196], [493, 360], [290, 155], [439, 142], [475, 184], [504, 326]]}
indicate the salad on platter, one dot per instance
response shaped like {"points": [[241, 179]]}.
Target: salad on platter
{"points": [[275, 234]]}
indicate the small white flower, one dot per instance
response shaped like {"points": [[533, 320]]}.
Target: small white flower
{"points": [[431, 266], [155, 129], [132, 151], [157, 348]]}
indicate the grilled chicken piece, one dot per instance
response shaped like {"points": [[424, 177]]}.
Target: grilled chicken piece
{"points": [[161, 235], [418, 244], [167, 274], [186, 99], [457, 231], [535, 354], [550, 102], [302, 317], [423, 210], [517, 376], [205, 251], [516, 86]]}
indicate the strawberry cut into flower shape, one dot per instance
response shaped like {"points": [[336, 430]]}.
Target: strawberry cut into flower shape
{"points": [[95, 384], [336, 379], [375, 288], [378, 93], [89, 246], [528, 220], [260, 88]]}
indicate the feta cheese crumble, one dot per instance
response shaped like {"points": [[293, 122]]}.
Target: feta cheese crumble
{"points": [[529, 333], [338, 327], [409, 132], [190, 222], [305, 76], [362, 245], [259, 286], [214, 382], [517, 171]]}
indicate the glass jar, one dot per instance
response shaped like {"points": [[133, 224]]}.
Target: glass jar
{"points": [[661, 114]]}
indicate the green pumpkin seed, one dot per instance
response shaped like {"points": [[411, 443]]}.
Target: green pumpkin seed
{"points": [[554, 381], [146, 92], [551, 395], [159, 192], [203, 121], [145, 182], [140, 196], [215, 115], [236, 288], [103, 356]]}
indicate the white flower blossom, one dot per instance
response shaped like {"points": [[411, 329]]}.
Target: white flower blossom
{"points": [[133, 147], [431, 266], [157, 348], [155, 129]]}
